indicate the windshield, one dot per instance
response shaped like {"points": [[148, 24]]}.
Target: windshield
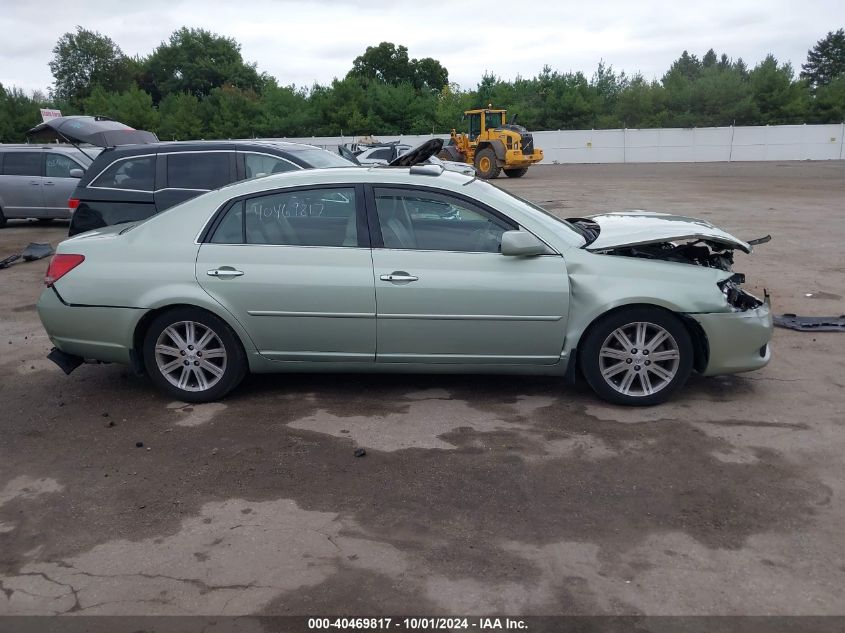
{"points": [[511, 197], [320, 158]]}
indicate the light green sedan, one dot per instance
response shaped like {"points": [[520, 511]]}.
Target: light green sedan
{"points": [[402, 270]]}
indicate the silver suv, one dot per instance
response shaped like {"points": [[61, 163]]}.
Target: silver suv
{"points": [[37, 180]]}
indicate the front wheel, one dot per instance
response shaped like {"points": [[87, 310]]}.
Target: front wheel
{"points": [[485, 164], [193, 355], [637, 356], [516, 173]]}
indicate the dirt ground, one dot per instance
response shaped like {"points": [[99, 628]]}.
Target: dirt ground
{"points": [[477, 494]]}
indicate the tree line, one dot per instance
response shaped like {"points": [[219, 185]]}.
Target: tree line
{"points": [[197, 85]]}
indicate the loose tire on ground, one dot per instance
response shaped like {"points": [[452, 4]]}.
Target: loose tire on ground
{"points": [[637, 356], [516, 173], [193, 355], [485, 164]]}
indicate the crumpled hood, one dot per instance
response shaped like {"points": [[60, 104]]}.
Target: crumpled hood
{"points": [[631, 228]]}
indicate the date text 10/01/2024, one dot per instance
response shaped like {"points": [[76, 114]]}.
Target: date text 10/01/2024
{"points": [[417, 624]]}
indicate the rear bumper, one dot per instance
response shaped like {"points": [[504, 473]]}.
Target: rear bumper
{"points": [[92, 332], [738, 341]]}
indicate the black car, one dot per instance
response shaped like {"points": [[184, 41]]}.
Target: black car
{"points": [[132, 182]]}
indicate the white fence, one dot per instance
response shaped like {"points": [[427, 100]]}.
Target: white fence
{"points": [[674, 145]]}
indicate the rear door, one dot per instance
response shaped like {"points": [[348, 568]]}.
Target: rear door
{"points": [[121, 192], [188, 174], [21, 183], [58, 185], [294, 267]]}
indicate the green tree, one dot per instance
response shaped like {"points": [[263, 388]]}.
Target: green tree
{"points": [[778, 99], [231, 112], [18, 113], [180, 117], [134, 107], [829, 102], [826, 60], [86, 59], [390, 64], [197, 61]]}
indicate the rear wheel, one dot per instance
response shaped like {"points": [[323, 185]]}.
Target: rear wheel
{"points": [[637, 356], [485, 164], [192, 355], [516, 173]]}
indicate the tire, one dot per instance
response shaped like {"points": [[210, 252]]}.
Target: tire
{"points": [[487, 157], [516, 173], [170, 330], [2, 219], [620, 372]]}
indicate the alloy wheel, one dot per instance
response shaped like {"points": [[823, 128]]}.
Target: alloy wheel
{"points": [[191, 356], [639, 359]]}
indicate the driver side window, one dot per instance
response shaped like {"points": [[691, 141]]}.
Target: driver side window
{"points": [[424, 220]]}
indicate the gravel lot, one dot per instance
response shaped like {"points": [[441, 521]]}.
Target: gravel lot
{"points": [[477, 494]]}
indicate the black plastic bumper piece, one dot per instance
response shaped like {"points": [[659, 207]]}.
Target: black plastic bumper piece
{"points": [[66, 362]]}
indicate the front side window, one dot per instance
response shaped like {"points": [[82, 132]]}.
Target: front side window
{"points": [[59, 166], [312, 217], [264, 165], [198, 170], [136, 174], [424, 220], [22, 164]]}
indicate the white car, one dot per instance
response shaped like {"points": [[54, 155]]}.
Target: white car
{"points": [[384, 154]]}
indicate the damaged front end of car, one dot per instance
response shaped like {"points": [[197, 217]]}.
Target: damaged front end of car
{"points": [[670, 238]]}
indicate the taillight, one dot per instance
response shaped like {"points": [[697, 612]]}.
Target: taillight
{"points": [[72, 204], [60, 266]]}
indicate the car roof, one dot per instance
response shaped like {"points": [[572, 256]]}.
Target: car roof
{"points": [[335, 176], [188, 146], [51, 146]]}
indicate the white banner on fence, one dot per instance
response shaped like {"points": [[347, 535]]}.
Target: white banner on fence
{"points": [[673, 145]]}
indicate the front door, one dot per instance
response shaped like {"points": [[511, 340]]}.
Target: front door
{"points": [[294, 267], [445, 293], [58, 185]]}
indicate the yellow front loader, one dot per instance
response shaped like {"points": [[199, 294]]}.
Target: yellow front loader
{"points": [[493, 145]]}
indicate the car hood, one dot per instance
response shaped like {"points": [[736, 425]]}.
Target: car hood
{"points": [[633, 228]]}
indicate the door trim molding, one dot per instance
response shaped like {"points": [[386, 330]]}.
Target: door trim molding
{"points": [[473, 317]]}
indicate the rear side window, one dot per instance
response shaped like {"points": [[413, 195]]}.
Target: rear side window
{"points": [[231, 229], [22, 164], [59, 165], [313, 217], [264, 165], [136, 174], [198, 170]]}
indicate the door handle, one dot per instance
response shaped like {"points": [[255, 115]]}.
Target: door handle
{"points": [[399, 276], [34, 183], [49, 182], [224, 272]]}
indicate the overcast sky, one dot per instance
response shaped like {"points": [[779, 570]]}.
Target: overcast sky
{"points": [[304, 41]]}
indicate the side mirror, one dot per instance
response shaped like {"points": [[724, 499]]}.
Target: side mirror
{"points": [[521, 244], [76, 173]]}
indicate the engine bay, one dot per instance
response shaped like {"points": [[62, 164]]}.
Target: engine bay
{"points": [[695, 252]]}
